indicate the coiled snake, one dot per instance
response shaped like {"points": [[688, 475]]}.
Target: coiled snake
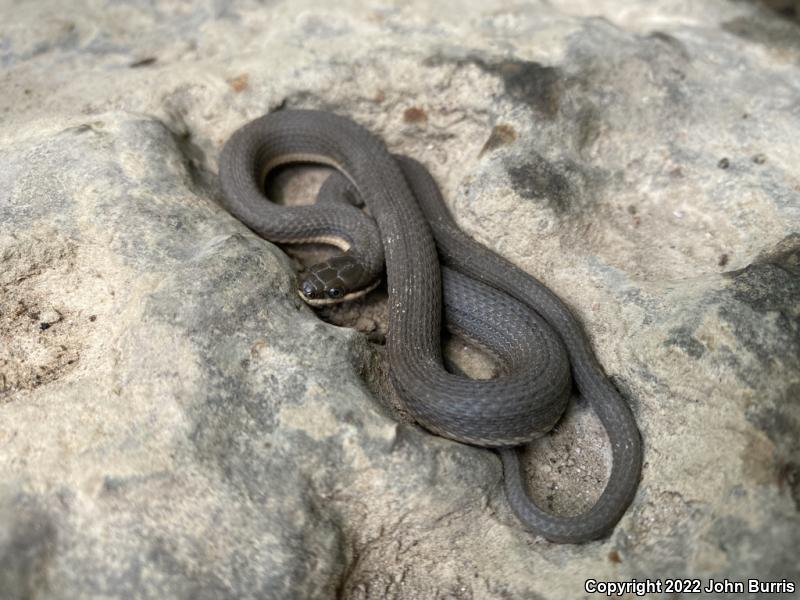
{"points": [[515, 317]]}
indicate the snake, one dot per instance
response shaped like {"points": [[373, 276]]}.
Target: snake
{"points": [[436, 274]]}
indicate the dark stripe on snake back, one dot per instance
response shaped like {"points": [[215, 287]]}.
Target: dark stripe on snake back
{"points": [[509, 410]]}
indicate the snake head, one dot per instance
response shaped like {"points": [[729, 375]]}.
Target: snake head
{"points": [[335, 280]]}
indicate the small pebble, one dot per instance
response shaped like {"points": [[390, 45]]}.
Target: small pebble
{"points": [[724, 163], [49, 316], [366, 324], [414, 114], [759, 159]]}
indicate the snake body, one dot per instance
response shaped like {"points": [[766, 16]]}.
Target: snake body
{"points": [[522, 323]]}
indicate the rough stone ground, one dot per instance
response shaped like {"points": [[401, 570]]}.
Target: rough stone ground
{"points": [[175, 423]]}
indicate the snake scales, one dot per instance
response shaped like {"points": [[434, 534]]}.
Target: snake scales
{"points": [[516, 318]]}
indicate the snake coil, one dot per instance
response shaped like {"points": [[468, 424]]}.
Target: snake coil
{"points": [[528, 329]]}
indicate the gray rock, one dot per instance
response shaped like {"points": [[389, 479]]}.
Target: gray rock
{"points": [[184, 427]]}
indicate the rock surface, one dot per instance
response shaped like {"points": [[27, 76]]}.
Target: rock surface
{"points": [[174, 423]]}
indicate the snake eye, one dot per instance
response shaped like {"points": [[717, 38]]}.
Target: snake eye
{"points": [[335, 293]]}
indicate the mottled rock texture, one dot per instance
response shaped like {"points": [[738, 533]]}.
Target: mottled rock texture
{"points": [[174, 423]]}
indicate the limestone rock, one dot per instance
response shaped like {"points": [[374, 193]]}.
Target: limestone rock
{"points": [[176, 423]]}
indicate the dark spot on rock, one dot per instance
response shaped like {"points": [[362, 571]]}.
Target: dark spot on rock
{"points": [[779, 421], [414, 114], [785, 8], [93, 318], [724, 163], [772, 33], [662, 36], [113, 484], [759, 159], [676, 172], [529, 82], [746, 116], [193, 156], [614, 557], [538, 178], [723, 260], [144, 62], [80, 128], [789, 480], [765, 294], [537, 85], [672, 44], [27, 547], [501, 135], [632, 209], [785, 254], [681, 337], [765, 287], [44, 326]]}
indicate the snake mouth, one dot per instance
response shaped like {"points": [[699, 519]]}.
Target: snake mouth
{"points": [[325, 301]]}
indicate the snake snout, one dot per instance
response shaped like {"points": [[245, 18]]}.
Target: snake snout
{"points": [[318, 290], [335, 280], [310, 290]]}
